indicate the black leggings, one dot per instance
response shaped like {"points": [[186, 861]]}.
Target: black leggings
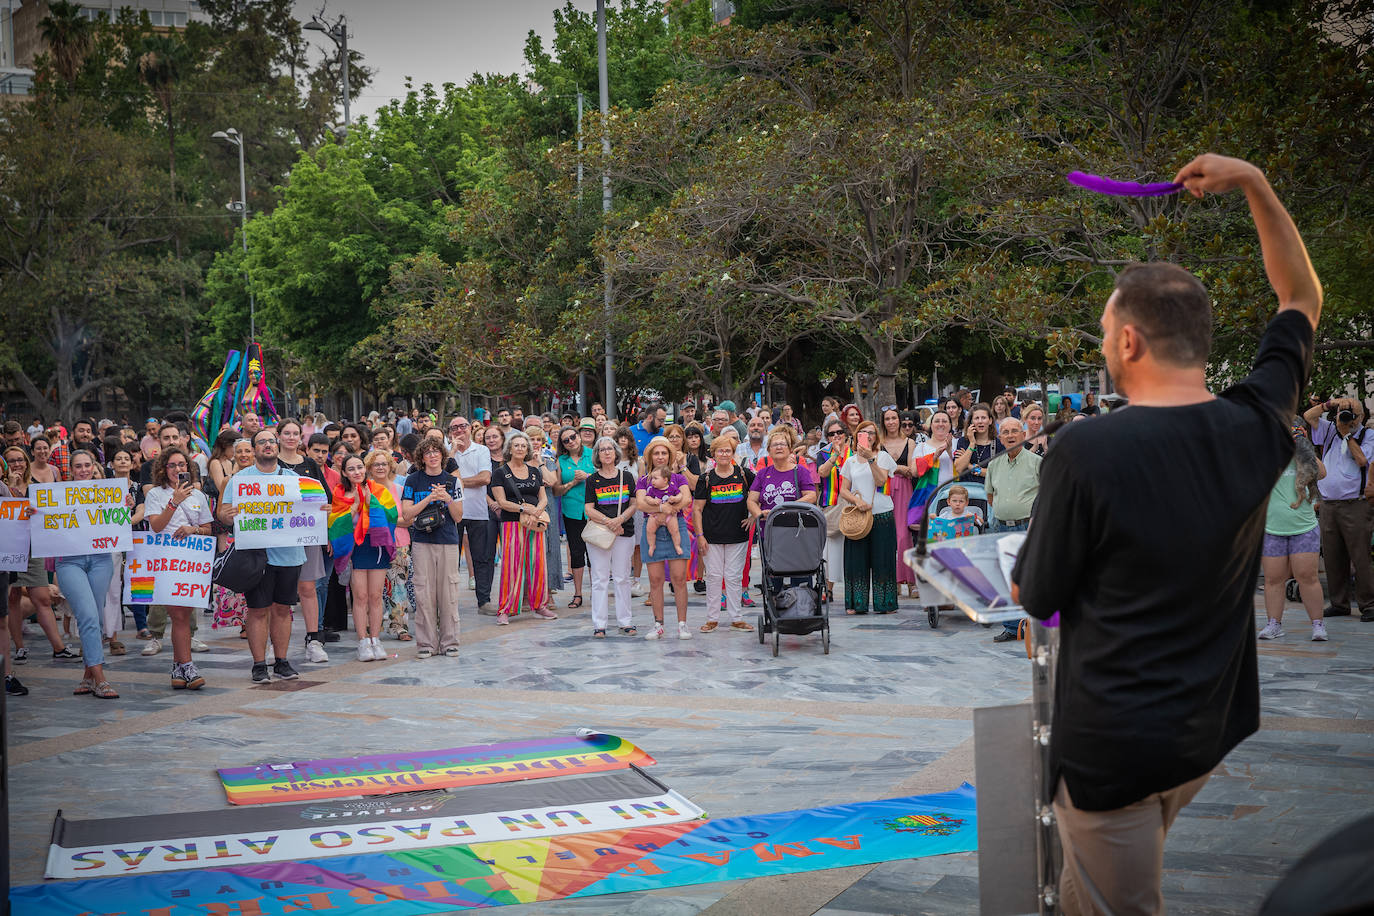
{"points": [[577, 548]]}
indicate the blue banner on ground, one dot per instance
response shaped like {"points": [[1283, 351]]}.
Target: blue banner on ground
{"points": [[530, 870]]}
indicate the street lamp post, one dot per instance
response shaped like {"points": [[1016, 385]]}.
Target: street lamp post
{"points": [[605, 196], [240, 207], [338, 33]]}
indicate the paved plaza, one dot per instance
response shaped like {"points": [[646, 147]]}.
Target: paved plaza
{"points": [[887, 713]]}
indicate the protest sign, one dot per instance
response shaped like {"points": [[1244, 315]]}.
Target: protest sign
{"points": [[72, 518], [279, 511], [161, 569], [14, 534]]}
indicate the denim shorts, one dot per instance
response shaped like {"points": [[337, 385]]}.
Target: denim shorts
{"points": [[1281, 545]]}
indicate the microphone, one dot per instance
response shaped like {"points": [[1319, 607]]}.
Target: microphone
{"points": [[1048, 431]]}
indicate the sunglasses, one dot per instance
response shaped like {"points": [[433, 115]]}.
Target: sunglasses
{"points": [[833, 433], [567, 439]]}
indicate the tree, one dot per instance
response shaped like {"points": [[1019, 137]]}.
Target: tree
{"points": [[83, 267]]}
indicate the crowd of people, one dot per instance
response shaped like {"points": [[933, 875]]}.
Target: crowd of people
{"points": [[532, 506]]}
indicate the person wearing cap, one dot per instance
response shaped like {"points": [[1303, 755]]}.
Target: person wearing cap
{"points": [[733, 418]]}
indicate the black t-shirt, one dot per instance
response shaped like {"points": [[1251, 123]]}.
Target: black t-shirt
{"points": [[1147, 541], [727, 505], [416, 488], [981, 453], [517, 491], [611, 496]]}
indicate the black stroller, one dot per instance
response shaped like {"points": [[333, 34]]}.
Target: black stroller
{"points": [[793, 545]]}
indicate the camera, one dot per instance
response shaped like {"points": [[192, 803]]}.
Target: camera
{"points": [[1346, 415]]}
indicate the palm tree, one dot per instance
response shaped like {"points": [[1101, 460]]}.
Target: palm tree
{"points": [[162, 62], [69, 37]]}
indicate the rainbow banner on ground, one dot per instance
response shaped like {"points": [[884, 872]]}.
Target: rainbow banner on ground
{"points": [[386, 774], [531, 870]]}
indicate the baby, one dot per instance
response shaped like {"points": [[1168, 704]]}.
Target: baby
{"points": [[958, 506], [659, 482]]}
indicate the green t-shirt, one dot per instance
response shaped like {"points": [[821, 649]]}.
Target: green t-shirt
{"points": [[1281, 519], [574, 505]]}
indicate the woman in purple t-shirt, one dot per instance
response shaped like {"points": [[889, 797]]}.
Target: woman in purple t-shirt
{"points": [[780, 480], [660, 453]]}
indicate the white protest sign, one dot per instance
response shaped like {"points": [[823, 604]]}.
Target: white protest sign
{"points": [[72, 518], [161, 569], [279, 511], [14, 534]]}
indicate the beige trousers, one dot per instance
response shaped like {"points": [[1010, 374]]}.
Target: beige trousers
{"points": [[436, 595], [1113, 860]]}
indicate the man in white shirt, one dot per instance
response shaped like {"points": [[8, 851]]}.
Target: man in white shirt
{"points": [[1347, 506], [474, 470]]}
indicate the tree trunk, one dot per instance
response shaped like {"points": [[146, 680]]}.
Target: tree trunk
{"points": [[884, 389]]}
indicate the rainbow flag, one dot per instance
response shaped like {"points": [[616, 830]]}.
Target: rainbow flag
{"points": [[380, 774], [312, 491], [141, 589], [926, 481], [377, 526], [830, 486]]}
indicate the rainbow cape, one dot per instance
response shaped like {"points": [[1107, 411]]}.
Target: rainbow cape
{"points": [[376, 526], [830, 486], [925, 482]]}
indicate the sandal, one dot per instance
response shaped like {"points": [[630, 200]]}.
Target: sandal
{"points": [[628, 631], [576, 602], [403, 636], [852, 613], [117, 647], [104, 691], [86, 686], [598, 634]]}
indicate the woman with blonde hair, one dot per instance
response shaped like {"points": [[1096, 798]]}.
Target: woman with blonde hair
{"points": [[398, 592], [676, 498]]}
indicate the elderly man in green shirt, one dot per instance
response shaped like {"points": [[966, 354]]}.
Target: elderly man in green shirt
{"points": [[1013, 480]]}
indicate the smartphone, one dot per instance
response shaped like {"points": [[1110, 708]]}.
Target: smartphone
{"points": [[183, 478], [865, 439]]}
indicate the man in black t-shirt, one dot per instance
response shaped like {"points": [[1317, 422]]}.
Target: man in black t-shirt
{"points": [[1156, 678]]}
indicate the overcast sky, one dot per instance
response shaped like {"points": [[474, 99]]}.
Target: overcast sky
{"points": [[435, 41]]}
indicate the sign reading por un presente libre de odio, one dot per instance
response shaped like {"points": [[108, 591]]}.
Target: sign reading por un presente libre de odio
{"points": [[279, 512], [161, 569], [72, 518]]}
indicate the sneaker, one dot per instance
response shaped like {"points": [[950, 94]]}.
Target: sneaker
{"points": [[378, 653], [153, 648], [424, 653], [487, 610], [683, 631], [700, 587], [194, 680], [178, 676], [66, 652], [1318, 631], [14, 688], [1272, 630], [655, 632], [451, 652], [1333, 611], [282, 669], [314, 652], [365, 651], [21, 655], [742, 626], [637, 590], [198, 646], [261, 674], [746, 600], [1005, 636], [145, 633], [329, 635], [546, 614]]}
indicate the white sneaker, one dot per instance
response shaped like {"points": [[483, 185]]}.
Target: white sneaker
{"points": [[198, 646], [655, 632], [153, 647], [378, 653], [636, 590], [314, 652], [365, 651], [1271, 631], [682, 631], [1319, 631]]}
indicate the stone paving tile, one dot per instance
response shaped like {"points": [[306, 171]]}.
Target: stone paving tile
{"points": [[732, 727]]}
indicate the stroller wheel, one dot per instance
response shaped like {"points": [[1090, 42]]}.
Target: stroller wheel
{"points": [[1290, 590], [933, 617], [777, 639], [825, 638], [760, 629]]}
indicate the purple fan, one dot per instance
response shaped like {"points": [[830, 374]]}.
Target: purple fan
{"points": [[1100, 185]]}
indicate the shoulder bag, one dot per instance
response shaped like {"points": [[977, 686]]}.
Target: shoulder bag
{"points": [[600, 536], [239, 570]]}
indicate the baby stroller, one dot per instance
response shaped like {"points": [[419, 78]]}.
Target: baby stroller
{"points": [[978, 501], [793, 545]]}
